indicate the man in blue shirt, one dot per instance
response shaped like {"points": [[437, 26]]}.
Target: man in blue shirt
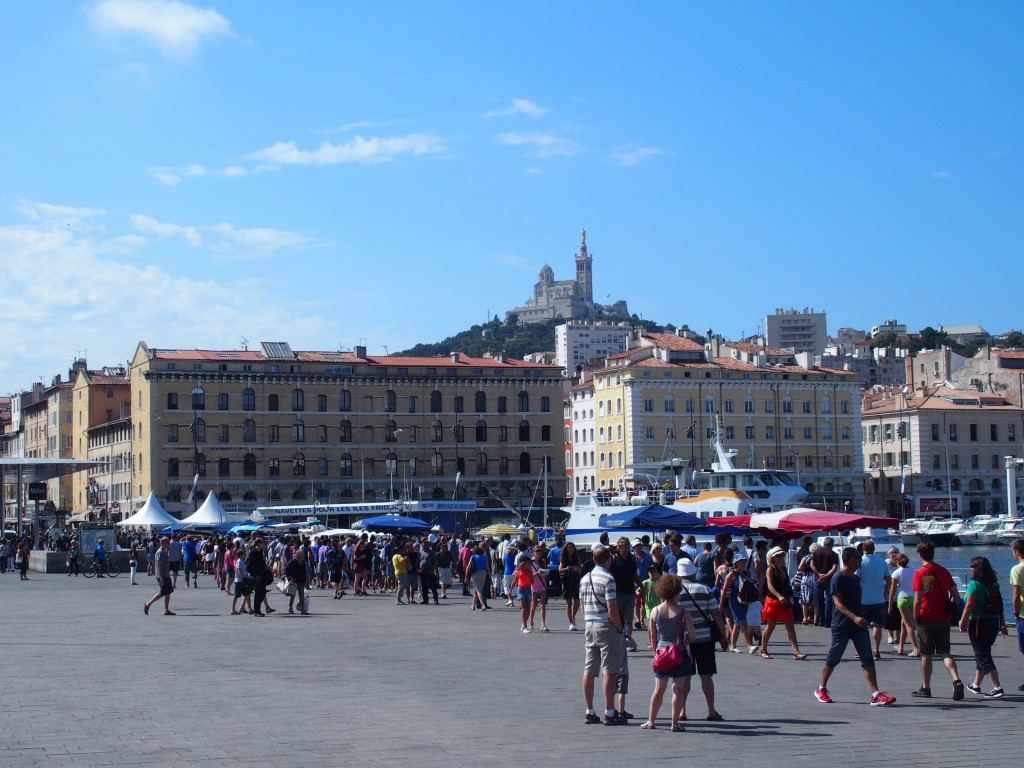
{"points": [[100, 556], [848, 624], [874, 586]]}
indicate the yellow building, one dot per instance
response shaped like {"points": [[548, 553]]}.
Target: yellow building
{"points": [[659, 400], [47, 426], [101, 431], [273, 426]]}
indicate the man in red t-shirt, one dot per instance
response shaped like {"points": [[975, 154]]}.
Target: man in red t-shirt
{"points": [[933, 590]]}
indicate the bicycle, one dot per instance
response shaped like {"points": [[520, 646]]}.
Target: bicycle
{"points": [[110, 568]]}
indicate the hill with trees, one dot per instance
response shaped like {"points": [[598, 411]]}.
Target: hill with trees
{"points": [[515, 340]]}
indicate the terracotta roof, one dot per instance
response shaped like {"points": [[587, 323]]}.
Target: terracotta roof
{"points": [[249, 356], [753, 349], [673, 342], [1011, 354], [105, 380], [934, 400]]}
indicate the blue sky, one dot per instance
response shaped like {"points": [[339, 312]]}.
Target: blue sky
{"points": [[335, 173]]}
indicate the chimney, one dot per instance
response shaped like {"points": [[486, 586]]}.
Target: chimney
{"points": [[360, 352], [454, 356], [910, 372]]}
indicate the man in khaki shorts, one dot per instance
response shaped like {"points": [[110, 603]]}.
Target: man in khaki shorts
{"points": [[603, 637]]}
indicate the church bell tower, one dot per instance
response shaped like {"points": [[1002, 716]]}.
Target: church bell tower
{"points": [[584, 270]]}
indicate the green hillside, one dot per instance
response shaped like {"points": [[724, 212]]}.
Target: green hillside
{"points": [[514, 340]]}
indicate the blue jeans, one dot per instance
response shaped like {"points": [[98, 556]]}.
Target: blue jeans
{"points": [[823, 596], [861, 641]]}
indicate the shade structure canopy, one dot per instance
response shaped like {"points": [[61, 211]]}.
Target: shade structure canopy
{"points": [[656, 517], [392, 523], [499, 529], [211, 513], [794, 523], [35, 470], [150, 516]]}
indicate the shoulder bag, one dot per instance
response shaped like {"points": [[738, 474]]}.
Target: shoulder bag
{"points": [[670, 656], [716, 633]]}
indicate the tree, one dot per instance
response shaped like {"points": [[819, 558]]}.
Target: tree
{"points": [[512, 319], [1012, 340]]}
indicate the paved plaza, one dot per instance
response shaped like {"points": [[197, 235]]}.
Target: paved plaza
{"points": [[90, 680]]}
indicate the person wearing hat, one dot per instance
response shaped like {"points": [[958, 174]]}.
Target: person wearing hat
{"points": [[730, 598], [778, 603], [699, 600]]}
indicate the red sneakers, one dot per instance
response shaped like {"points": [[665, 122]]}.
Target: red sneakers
{"points": [[821, 694], [882, 699]]}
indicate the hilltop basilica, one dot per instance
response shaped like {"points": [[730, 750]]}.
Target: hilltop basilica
{"points": [[569, 299]]}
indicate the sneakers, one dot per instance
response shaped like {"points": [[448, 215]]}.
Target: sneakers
{"points": [[882, 699], [526, 631], [996, 693], [591, 719], [572, 626], [615, 719], [821, 694], [958, 690], [976, 689], [922, 693], [625, 715]]}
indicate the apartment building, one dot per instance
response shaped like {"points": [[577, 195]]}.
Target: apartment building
{"points": [[935, 441], [799, 331], [273, 425], [650, 399], [101, 431]]}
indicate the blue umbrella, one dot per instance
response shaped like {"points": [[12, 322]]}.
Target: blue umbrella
{"points": [[653, 516], [392, 523]]}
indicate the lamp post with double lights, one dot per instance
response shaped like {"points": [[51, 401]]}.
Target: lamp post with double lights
{"points": [[457, 432]]}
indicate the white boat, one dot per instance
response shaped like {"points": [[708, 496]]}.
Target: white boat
{"points": [[1013, 528], [721, 492], [978, 531]]}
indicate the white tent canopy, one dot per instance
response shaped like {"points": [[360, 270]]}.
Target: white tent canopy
{"points": [[211, 513], [151, 515]]}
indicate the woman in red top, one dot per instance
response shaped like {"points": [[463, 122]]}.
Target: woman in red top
{"points": [[522, 578]]}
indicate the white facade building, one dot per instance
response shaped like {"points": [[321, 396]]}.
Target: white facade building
{"points": [[799, 331], [576, 342]]}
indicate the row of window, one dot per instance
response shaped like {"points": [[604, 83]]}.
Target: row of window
{"points": [[669, 406], [368, 466], [889, 459], [390, 400], [892, 432], [197, 429]]}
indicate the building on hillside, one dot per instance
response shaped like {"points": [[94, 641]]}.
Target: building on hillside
{"points": [[889, 326], [933, 367], [998, 371], [797, 331], [577, 341], [276, 426], [660, 398], [101, 431], [936, 444], [553, 299], [965, 334]]}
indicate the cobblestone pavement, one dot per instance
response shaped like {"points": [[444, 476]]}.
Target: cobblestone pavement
{"points": [[90, 680]]}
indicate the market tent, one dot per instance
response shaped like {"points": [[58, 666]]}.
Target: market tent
{"points": [[151, 515], [499, 529], [392, 523], [653, 516], [210, 513], [794, 523]]}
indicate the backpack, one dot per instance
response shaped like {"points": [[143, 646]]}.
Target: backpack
{"points": [[992, 602], [748, 592]]}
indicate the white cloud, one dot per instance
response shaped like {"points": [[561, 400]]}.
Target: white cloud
{"points": [[375, 149], [942, 175], [50, 215], [224, 239], [544, 144], [171, 176], [519, 107], [174, 27], [64, 292], [634, 154], [151, 226]]}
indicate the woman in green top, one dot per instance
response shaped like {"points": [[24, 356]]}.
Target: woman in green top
{"points": [[983, 621]]}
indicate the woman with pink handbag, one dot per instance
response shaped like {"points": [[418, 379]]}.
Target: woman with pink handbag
{"points": [[671, 631]]}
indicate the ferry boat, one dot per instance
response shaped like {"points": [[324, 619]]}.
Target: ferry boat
{"points": [[721, 492]]}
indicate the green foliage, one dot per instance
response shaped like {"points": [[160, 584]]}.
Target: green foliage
{"points": [[1012, 340], [516, 341]]}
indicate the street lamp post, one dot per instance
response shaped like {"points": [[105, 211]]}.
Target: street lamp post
{"points": [[457, 432], [691, 432]]}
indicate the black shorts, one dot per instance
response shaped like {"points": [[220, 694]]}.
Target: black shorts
{"points": [[166, 587], [174, 565], [874, 613], [704, 657]]}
